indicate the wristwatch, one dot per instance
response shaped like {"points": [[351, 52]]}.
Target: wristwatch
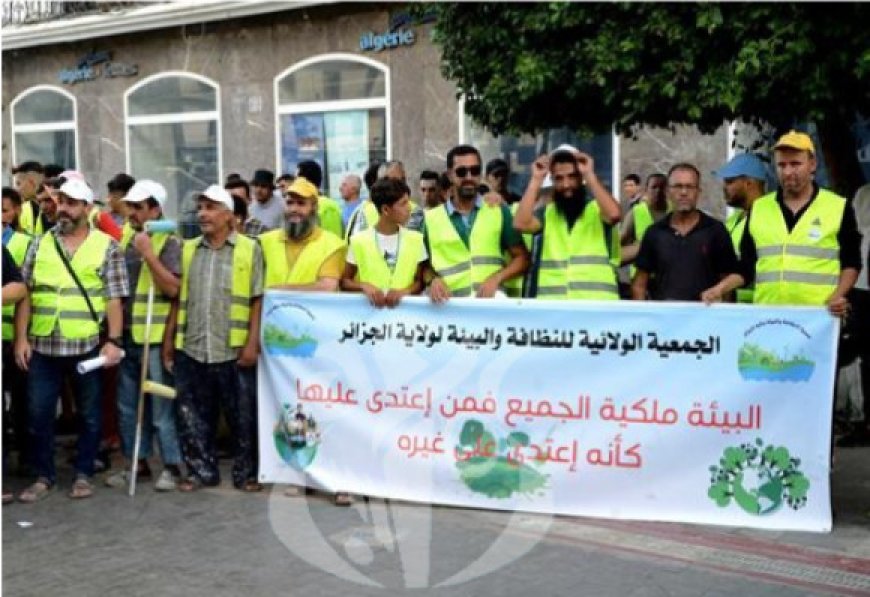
{"points": [[115, 341]]}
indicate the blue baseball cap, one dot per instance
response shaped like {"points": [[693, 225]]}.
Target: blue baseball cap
{"points": [[743, 164]]}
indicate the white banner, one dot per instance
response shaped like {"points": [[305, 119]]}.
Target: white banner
{"points": [[671, 412]]}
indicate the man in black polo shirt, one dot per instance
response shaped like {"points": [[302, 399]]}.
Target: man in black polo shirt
{"points": [[685, 253]]}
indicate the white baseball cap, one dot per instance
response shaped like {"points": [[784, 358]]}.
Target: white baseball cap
{"points": [[218, 194], [143, 189], [77, 189], [565, 147]]}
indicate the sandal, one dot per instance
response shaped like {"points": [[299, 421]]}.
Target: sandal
{"points": [[81, 489], [343, 499], [251, 486], [36, 492], [189, 484]]}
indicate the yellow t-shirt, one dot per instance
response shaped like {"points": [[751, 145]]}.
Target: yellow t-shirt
{"points": [[333, 267]]}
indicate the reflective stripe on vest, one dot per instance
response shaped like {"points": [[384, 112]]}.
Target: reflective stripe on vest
{"points": [[367, 214], [162, 304], [372, 267], [463, 268], [55, 298], [17, 247], [307, 265], [240, 301], [577, 264], [801, 267]]}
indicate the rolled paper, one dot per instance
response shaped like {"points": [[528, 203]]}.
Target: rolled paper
{"points": [[153, 226], [158, 389], [91, 364]]}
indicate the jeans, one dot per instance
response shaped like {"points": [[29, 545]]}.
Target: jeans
{"points": [[203, 389], [44, 381], [159, 414]]}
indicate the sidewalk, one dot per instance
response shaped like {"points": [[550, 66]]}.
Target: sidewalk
{"points": [[224, 542]]}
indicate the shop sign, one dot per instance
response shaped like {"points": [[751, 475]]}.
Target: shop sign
{"points": [[399, 34], [95, 65]]}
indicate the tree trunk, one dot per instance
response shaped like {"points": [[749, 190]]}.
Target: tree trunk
{"points": [[841, 155]]}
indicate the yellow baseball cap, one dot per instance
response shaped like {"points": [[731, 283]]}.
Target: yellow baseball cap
{"points": [[303, 188], [795, 140]]}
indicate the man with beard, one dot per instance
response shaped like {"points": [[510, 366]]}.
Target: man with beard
{"points": [[686, 252], [216, 345], [429, 191], [77, 278], [328, 211], [467, 238], [803, 246], [743, 179], [579, 245], [303, 256], [151, 259]]}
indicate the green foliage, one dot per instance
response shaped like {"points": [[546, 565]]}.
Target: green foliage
{"points": [[275, 336], [529, 66]]}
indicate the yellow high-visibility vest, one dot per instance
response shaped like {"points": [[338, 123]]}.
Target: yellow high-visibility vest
{"points": [[577, 264], [329, 214], [28, 219], [17, 247], [372, 267], [801, 267], [55, 297], [162, 303], [465, 268], [736, 225], [514, 287], [369, 217], [240, 301], [308, 264]]}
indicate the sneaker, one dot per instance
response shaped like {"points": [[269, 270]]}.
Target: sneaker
{"points": [[166, 482], [118, 479]]}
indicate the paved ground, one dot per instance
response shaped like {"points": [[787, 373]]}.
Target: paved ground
{"points": [[222, 542]]}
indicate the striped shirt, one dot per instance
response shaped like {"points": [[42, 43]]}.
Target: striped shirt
{"points": [[210, 286], [113, 272]]}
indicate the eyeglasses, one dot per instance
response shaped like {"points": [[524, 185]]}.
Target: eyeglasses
{"points": [[683, 187], [463, 171]]}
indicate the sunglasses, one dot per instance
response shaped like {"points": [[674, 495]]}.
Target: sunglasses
{"points": [[463, 171]]}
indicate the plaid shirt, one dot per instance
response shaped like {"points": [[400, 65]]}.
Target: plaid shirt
{"points": [[209, 294], [114, 275]]}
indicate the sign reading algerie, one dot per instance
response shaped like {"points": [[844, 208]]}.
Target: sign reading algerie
{"points": [[95, 65], [399, 33]]}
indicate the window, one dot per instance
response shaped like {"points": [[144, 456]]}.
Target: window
{"points": [[44, 127], [520, 152], [332, 109], [174, 137]]}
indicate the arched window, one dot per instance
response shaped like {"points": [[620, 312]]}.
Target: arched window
{"points": [[333, 109], [44, 127], [174, 136]]}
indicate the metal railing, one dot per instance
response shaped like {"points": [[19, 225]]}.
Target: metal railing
{"points": [[24, 12]]}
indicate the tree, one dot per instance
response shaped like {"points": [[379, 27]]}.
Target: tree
{"points": [[525, 67]]}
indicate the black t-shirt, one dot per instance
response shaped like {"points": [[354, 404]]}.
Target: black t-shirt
{"points": [[11, 273], [682, 267]]}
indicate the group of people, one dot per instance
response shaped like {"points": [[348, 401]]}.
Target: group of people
{"points": [[191, 308]]}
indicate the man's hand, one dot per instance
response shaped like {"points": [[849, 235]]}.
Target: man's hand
{"points": [[838, 305], [488, 288], [438, 291], [23, 352], [541, 167], [493, 198], [112, 354], [167, 355], [375, 295], [142, 242], [393, 297], [712, 295], [248, 355], [585, 164]]}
